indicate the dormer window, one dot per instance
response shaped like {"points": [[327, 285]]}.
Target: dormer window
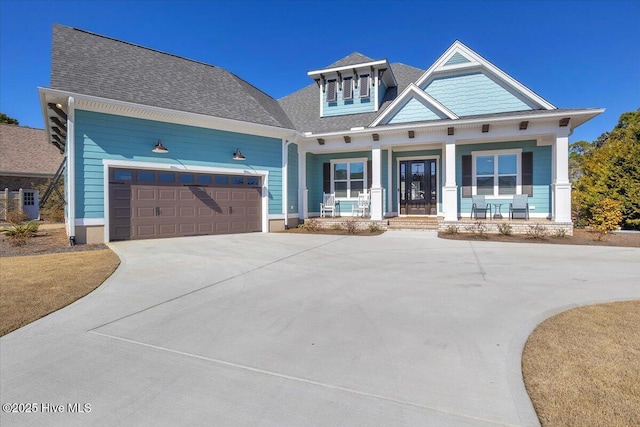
{"points": [[364, 86], [332, 93], [347, 89]]}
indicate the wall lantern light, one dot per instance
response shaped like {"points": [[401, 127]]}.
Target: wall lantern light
{"points": [[159, 148], [238, 155]]}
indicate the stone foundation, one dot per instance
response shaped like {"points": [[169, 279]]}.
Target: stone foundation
{"points": [[549, 228]]}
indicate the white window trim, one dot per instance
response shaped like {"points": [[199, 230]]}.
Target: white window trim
{"points": [[350, 160], [495, 153]]}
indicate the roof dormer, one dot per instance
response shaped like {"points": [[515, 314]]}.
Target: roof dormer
{"points": [[355, 84]]}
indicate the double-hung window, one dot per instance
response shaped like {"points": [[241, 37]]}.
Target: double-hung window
{"points": [[348, 177], [497, 173]]}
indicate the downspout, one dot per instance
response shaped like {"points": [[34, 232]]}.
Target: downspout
{"points": [[71, 170], [285, 178]]}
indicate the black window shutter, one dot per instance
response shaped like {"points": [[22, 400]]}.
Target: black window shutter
{"points": [[364, 86], [467, 178], [527, 173], [369, 174], [326, 177], [331, 91]]}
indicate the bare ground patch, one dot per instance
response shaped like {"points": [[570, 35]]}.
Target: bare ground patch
{"points": [[582, 367], [33, 286]]}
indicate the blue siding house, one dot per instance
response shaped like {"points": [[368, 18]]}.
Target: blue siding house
{"points": [[163, 146]]}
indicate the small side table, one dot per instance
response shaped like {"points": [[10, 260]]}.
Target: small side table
{"points": [[498, 213]]}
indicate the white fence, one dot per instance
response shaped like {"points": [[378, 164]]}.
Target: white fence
{"points": [[25, 201]]}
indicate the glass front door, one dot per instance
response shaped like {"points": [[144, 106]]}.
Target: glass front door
{"points": [[418, 187]]}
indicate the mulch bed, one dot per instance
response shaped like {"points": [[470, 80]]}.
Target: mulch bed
{"points": [[44, 242], [580, 237], [333, 231]]}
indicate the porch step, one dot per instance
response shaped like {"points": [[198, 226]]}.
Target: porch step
{"points": [[413, 224]]}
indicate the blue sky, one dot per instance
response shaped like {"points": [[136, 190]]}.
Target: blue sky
{"points": [[575, 54]]}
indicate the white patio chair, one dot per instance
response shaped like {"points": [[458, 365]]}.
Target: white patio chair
{"points": [[328, 204], [362, 208]]}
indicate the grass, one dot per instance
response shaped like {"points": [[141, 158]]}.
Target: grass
{"points": [[33, 286], [582, 367]]}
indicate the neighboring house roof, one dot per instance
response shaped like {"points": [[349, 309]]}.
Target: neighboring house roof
{"points": [[91, 64], [24, 151], [303, 106]]}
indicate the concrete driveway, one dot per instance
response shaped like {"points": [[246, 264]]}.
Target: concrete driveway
{"points": [[287, 330]]}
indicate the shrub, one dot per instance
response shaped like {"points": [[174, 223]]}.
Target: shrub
{"points": [[336, 226], [560, 232], [374, 228], [16, 217], [477, 228], [537, 231], [452, 229], [19, 233], [351, 225], [311, 225], [505, 228], [606, 216]]}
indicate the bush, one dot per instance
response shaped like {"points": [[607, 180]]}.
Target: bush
{"points": [[537, 231], [311, 225], [19, 233], [505, 228], [560, 232], [452, 229], [606, 216], [336, 227], [374, 228], [351, 225], [16, 217], [478, 228]]}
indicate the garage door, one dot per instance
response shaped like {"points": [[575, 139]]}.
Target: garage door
{"points": [[145, 204]]}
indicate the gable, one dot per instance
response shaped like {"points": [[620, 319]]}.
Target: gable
{"points": [[413, 111], [456, 59], [472, 94]]}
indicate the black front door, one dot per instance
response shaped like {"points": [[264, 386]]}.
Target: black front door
{"points": [[418, 187]]}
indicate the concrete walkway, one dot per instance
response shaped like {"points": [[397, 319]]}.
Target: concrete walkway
{"points": [[289, 329]]}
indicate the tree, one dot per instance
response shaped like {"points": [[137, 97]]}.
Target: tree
{"points": [[8, 120], [577, 150], [611, 169]]}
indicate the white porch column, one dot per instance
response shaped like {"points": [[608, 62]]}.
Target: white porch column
{"points": [[450, 189], [561, 184], [390, 189], [303, 193], [376, 184]]}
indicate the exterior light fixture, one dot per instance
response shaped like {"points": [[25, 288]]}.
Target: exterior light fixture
{"points": [[159, 148], [59, 105], [238, 155]]}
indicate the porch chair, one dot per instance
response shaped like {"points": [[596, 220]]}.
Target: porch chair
{"points": [[480, 207], [519, 206], [362, 208], [328, 204]]}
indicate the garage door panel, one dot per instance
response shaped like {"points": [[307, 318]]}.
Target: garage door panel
{"points": [[159, 208]]}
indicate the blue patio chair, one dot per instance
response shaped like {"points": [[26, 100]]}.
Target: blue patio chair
{"points": [[480, 207], [519, 208]]}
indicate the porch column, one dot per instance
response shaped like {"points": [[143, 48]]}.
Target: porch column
{"points": [[561, 184], [303, 193], [390, 189], [450, 189], [376, 184]]}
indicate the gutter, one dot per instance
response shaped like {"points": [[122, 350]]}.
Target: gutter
{"points": [[71, 170]]}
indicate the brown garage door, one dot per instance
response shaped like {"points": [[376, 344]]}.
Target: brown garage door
{"points": [[146, 204]]}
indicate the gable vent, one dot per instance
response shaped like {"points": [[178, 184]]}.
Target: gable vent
{"points": [[332, 94], [364, 86], [347, 89]]}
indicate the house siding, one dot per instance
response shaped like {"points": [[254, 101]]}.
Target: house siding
{"points": [[541, 198], [413, 111], [314, 177], [103, 136], [456, 59], [475, 93], [354, 106]]}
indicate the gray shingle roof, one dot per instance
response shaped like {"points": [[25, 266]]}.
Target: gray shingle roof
{"points": [[303, 108], [92, 64], [352, 59]]}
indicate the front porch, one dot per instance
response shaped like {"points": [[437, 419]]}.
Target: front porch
{"points": [[537, 226]]}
